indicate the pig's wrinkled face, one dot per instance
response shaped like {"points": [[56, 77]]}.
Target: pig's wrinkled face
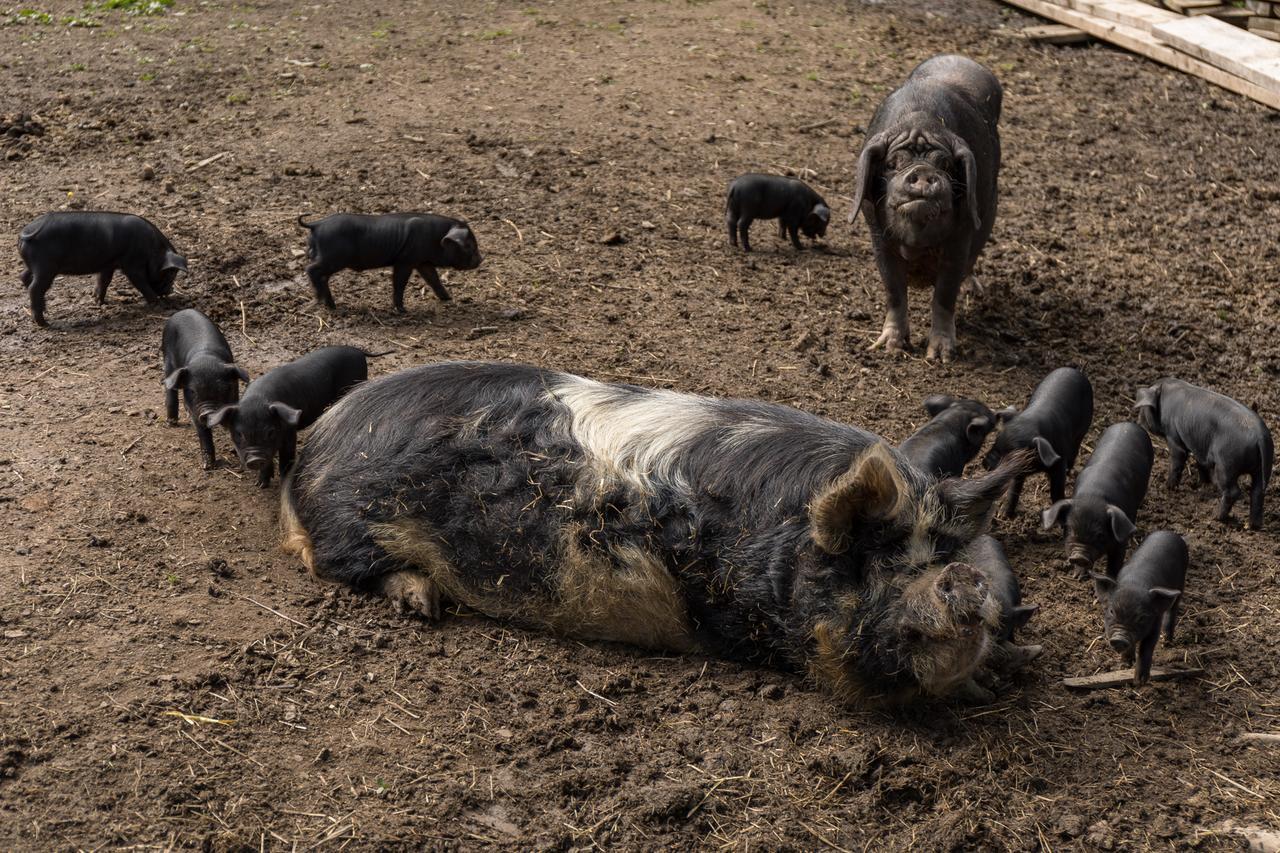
{"points": [[919, 191], [940, 629]]}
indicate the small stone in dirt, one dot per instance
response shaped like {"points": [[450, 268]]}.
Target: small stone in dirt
{"points": [[297, 253], [168, 186], [218, 566], [805, 342], [772, 692], [22, 551], [1070, 825], [513, 314], [14, 634], [148, 172], [95, 542], [613, 238], [647, 225], [323, 756], [480, 332]]}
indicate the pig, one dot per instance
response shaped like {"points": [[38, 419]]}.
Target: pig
{"points": [[96, 243], [926, 183], [406, 242], [987, 555], [792, 202], [1099, 517], [286, 400], [1142, 599], [943, 446], [1226, 438], [1053, 424], [665, 520], [198, 362]]}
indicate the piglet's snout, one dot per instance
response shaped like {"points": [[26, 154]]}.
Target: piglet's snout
{"points": [[1120, 642], [256, 462]]}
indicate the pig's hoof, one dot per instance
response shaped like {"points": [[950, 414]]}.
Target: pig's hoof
{"points": [[973, 693], [210, 464], [412, 590], [891, 340], [171, 421], [941, 348]]}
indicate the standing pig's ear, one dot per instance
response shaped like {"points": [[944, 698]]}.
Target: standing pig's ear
{"points": [[978, 429], [1163, 597], [871, 490], [177, 379], [869, 162], [822, 212], [1121, 527], [1048, 456], [238, 371], [286, 413], [1148, 397], [226, 413], [174, 261], [1103, 585], [458, 236], [965, 156], [1006, 414], [936, 404], [1056, 513]]}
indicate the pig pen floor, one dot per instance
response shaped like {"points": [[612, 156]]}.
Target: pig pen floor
{"points": [[169, 679]]}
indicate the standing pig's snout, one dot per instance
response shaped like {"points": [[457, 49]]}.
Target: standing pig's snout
{"points": [[923, 182], [1120, 642], [256, 463]]}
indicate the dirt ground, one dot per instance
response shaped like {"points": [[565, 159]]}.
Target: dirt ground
{"points": [[169, 679]]}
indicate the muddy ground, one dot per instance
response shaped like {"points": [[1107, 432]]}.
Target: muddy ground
{"points": [[1136, 238]]}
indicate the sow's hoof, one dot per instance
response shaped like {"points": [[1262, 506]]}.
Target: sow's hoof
{"points": [[941, 348]]}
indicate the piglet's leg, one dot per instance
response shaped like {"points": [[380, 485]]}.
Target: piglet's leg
{"points": [[26, 279], [104, 281], [399, 279], [794, 231], [1011, 500], [264, 476], [731, 222], [1177, 461], [744, 227], [138, 278], [171, 406], [1229, 489], [319, 277], [1115, 560], [40, 284], [1057, 481], [432, 278], [1146, 651], [1257, 488], [288, 449], [1170, 622], [208, 455]]}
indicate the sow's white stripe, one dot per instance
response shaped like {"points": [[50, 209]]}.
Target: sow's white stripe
{"points": [[636, 436]]}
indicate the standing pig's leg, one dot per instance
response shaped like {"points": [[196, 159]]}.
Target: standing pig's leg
{"points": [[744, 227], [731, 221], [1229, 489], [399, 278], [288, 449], [896, 334], [1146, 651], [1177, 461], [40, 284], [171, 406], [794, 231], [104, 281], [946, 289], [320, 284], [1257, 488], [208, 455], [1011, 500], [264, 476], [1115, 560], [1057, 481], [1170, 622], [138, 278], [432, 278]]}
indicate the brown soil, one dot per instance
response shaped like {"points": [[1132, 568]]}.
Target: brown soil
{"points": [[1137, 237]]}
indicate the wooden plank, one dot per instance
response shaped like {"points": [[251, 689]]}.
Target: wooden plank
{"points": [[1258, 7], [1243, 54], [1266, 34], [1130, 13], [1145, 44], [1055, 34], [1267, 24], [1269, 738], [1121, 677], [1229, 14], [1182, 7]]}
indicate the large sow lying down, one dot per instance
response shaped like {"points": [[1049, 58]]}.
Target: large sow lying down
{"points": [[744, 529]]}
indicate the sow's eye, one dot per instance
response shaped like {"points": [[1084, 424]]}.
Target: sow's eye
{"points": [[939, 159], [900, 160]]}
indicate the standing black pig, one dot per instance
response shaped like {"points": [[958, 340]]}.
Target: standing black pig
{"points": [[198, 362], [406, 242], [1099, 518], [283, 401], [749, 530], [1053, 424], [942, 447], [1143, 598], [795, 205], [926, 183], [1226, 437], [96, 243]]}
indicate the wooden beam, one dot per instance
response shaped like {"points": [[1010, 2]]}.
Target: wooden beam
{"points": [[1145, 44], [1056, 34], [1121, 677], [1269, 738], [1243, 54], [1130, 13]]}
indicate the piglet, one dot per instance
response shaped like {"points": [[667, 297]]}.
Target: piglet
{"points": [[943, 446], [1143, 598], [1099, 518], [406, 242], [792, 202], [986, 554], [283, 401], [1226, 437], [198, 362], [1053, 425], [96, 243]]}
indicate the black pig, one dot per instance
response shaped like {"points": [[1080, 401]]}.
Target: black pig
{"points": [[1143, 598], [406, 242], [926, 183], [795, 205], [745, 529], [987, 555], [286, 400], [1226, 438], [1053, 424], [1099, 518], [96, 243], [198, 362], [943, 446]]}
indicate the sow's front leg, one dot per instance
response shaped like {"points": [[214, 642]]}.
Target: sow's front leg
{"points": [[946, 290], [895, 337]]}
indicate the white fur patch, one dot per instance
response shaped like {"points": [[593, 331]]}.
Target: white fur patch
{"points": [[633, 436]]}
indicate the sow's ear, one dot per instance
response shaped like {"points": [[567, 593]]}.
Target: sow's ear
{"points": [[177, 379], [1056, 513], [869, 162], [967, 504], [1121, 527], [1048, 456], [291, 416], [871, 490], [225, 414], [238, 371], [936, 404], [970, 166]]}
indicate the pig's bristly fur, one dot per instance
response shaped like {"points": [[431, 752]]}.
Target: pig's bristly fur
{"points": [[643, 516]]}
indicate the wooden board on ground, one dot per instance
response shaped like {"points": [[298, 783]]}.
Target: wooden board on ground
{"points": [[1230, 14], [1264, 24], [1121, 677], [1055, 34], [1259, 7], [1271, 738], [1266, 34], [1185, 6], [1130, 13], [1145, 44], [1243, 54]]}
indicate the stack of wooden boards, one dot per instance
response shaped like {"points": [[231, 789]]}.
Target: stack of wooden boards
{"points": [[1264, 18], [1201, 45]]}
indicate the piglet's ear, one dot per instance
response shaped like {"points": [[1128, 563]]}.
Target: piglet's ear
{"points": [[1048, 456], [936, 404], [1148, 397], [1121, 527], [822, 212], [177, 379], [1163, 597], [457, 235], [1056, 513], [1022, 614], [1103, 585], [978, 429], [1006, 414], [871, 490], [174, 261], [238, 371], [286, 413], [869, 163], [226, 414]]}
